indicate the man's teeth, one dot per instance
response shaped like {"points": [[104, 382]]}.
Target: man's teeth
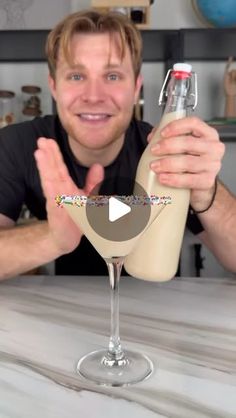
{"points": [[89, 116]]}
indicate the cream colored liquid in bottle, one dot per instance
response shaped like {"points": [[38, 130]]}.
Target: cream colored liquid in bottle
{"points": [[156, 254]]}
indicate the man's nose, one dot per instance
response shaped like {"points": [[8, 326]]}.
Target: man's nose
{"points": [[94, 91]]}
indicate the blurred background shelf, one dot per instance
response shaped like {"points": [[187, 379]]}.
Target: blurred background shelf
{"points": [[211, 44], [227, 132], [159, 45], [137, 10], [22, 45]]}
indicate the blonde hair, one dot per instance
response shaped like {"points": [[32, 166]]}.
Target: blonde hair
{"points": [[91, 21]]}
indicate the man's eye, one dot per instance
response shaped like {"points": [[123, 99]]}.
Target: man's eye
{"points": [[113, 77], [76, 77]]}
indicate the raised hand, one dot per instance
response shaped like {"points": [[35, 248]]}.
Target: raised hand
{"points": [[55, 180]]}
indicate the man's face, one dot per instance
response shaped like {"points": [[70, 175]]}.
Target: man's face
{"points": [[95, 96]]}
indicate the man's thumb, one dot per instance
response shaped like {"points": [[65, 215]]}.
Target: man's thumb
{"points": [[94, 177]]}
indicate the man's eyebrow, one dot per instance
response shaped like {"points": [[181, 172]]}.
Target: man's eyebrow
{"points": [[108, 66], [76, 66], [113, 65]]}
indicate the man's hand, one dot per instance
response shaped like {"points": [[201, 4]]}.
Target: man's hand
{"points": [[190, 155], [55, 180]]}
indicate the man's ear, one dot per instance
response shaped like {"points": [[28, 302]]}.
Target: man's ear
{"points": [[138, 85], [52, 86]]}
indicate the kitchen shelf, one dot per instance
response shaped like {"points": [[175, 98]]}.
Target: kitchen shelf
{"points": [[22, 45], [212, 44], [226, 132], [159, 45], [28, 45], [127, 5]]}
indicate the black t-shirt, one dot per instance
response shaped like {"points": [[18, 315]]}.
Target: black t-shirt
{"points": [[20, 183]]}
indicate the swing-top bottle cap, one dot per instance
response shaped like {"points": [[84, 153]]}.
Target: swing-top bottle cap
{"points": [[181, 71], [182, 66]]}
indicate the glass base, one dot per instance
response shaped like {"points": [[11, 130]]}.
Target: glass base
{"points": [[106, 369]]}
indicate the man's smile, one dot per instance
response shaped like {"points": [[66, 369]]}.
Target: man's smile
{"points": [[94, 116]]}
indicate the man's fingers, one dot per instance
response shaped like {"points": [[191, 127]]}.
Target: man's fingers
{"points": [[185, 164], [51, 163], [197, 181], [94, 177], [191, 125], [188, 145], [53, 172]]}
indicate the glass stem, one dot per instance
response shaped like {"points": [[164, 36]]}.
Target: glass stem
{"points": [[114, 267]]}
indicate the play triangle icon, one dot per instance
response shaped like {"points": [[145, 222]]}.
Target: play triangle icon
{"points": [[117, 209]]}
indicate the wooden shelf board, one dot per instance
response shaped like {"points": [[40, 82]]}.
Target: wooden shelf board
{"points": [[120, 3]]}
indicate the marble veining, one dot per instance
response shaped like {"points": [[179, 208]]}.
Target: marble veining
{"points": [[186, 326]]}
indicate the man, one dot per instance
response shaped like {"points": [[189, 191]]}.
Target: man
{"points": [[94, 64]]}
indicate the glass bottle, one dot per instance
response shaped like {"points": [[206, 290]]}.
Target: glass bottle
{"points": [[156, 254]]}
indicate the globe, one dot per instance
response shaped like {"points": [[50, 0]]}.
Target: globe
{"points": [[217, 13]]}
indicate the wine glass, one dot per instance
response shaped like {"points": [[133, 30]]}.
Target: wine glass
{"points": [[114, 366], [111, 366]]}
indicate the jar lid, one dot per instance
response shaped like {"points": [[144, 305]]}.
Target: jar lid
{"points": [[28, 111], [6, 94], [31, 89]]}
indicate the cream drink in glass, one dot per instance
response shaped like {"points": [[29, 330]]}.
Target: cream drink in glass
{"points": [[111, 366]]}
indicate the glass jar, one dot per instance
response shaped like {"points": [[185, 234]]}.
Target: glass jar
{"points": [[7, 108], [31, 102]]}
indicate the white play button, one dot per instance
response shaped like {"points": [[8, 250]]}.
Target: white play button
{"points": [[117, 217], [117, 209]]}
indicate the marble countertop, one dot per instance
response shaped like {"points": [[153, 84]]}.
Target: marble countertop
{"points": [[186, 326]]}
